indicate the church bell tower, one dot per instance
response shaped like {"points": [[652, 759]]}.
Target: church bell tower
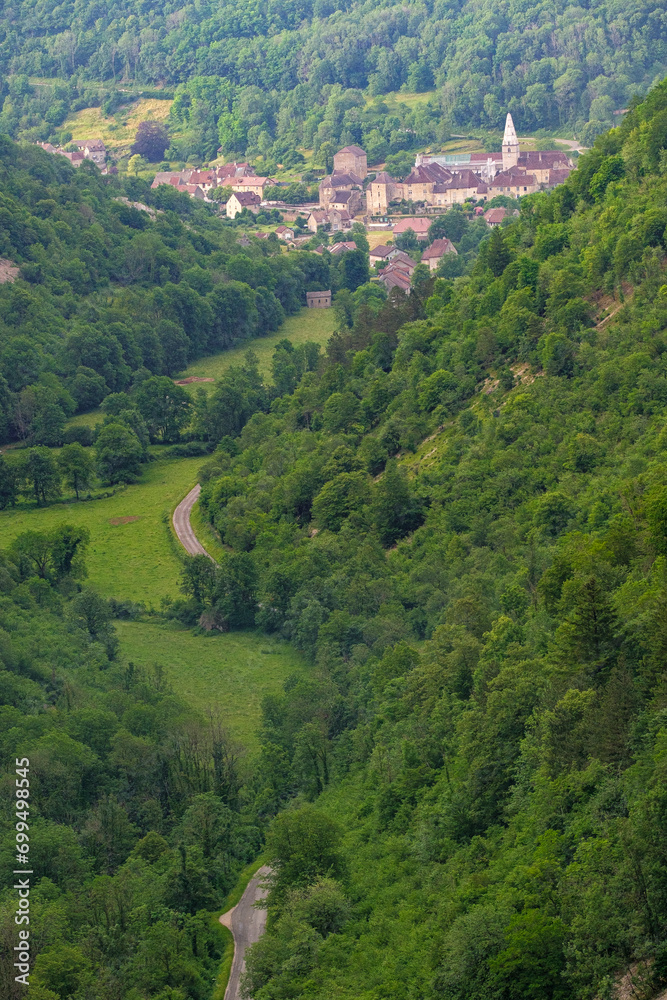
{"points": [[510, 145]]}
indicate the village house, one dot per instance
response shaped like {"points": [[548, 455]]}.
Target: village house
{"points": [[437, 250], [336, 220], [514, 183], [75, 158], [256, 185], [398, 273], [419, 226], [205, 179], [92, 149], [228, 171], [240, 200], [319, 300], [86, 149], [494, 216], [395, 277], [381, 254], [318, 217], [285, 233], [194, 191], [339, 248], [402, 261], [342, 192]]}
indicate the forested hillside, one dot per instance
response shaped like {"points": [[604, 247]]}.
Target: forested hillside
{"points": [[138, 822], [277, 74], [462, 518], [108, 294]]}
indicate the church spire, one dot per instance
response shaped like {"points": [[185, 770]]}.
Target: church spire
{"points": [[510, 145]]}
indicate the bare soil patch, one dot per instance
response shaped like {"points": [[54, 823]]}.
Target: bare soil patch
{"points": [[123, 520], [8, 271]]}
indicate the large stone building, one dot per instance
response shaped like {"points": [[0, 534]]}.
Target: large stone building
{"points": [[446, 180], [343, 188], [351, 160], [343, 192]]}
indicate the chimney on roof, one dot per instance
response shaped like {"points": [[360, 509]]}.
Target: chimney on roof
{"points": [[510, 145]]}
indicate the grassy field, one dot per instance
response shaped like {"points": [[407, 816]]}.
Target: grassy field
{"points": [[132, 553], [228, 672], [86, 419], [412, 100], [378, 237], [119, 130], [309, 324]]}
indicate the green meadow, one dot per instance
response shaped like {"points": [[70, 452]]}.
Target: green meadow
{"points": [[132, 552], [229, 673], [310, 324]]}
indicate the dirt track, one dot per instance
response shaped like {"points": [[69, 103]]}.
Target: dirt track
{"points": [[247, 923], [183, 528]]}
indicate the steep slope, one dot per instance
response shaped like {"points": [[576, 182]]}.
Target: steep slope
{"points": [[462, 519]]}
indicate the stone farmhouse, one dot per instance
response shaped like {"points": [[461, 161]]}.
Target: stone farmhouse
{"points": [[443, 181]]}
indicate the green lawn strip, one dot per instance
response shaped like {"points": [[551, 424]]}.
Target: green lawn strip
{"points": [[133, 558], [231, 900], [205, 533], [309, 324], [227, 673]]}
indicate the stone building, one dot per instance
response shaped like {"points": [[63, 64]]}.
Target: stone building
{"points": [[256, 185], [381, 191], [318, 300], [240, 200], [452, 179], [351, 160], [342, 192]]}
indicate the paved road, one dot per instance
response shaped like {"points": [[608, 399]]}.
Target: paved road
{"points": [[183, 528], [247, 923]]}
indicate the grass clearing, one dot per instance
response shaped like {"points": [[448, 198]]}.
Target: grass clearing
{"points": [[398, 96], [309, 324], [230, 672], [119, 130], [136, 560], [88, 419], [379, 237]]}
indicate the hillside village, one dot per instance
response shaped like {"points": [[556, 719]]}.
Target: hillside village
{"points": [[398, 206]]}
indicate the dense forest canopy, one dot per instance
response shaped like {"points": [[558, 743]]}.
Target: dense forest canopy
{"points": [[263, 74], [461, 519]]}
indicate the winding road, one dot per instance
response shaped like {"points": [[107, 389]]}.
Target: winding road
{"points": [[246, 922], [183, 528]]}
